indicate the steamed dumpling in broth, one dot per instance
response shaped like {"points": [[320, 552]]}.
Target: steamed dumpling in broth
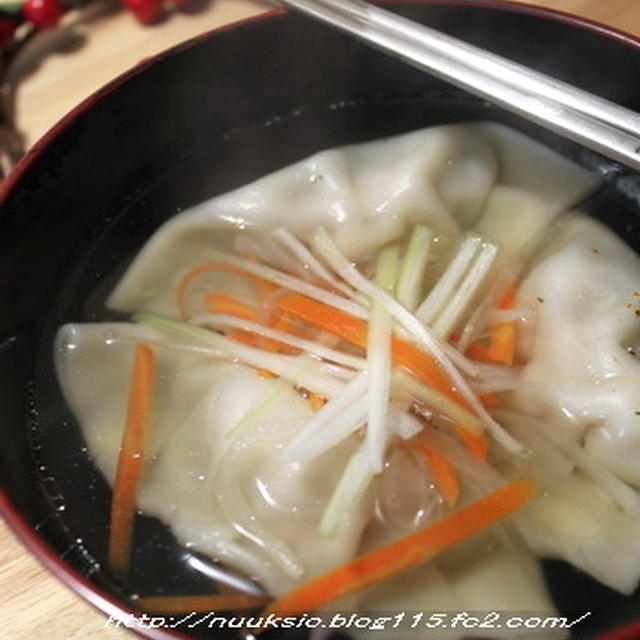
{"points": [[206, 486], [366, 195], [241, 467]]}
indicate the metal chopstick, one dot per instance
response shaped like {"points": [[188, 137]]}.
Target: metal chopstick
{"points": [[576, 114]]}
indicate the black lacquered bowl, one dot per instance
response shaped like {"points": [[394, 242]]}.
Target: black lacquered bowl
{"points": [[197, 121]]}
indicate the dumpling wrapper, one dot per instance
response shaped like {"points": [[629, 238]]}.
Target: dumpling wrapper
{"points": [[575, 520], [450, 178], [582, 382], [580, 372], [506, 582], [365, 195], [203, 485], [198, 480]]}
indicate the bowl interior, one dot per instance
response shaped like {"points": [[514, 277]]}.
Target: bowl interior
{"points": [[202, 120]]}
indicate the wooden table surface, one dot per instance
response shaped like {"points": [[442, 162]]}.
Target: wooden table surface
{"points": [[92, 48]]}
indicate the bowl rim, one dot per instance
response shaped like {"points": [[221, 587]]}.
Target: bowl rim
{"points": [[114, 610]]}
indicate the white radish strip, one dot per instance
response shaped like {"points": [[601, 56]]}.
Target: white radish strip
{"points": [[289, 282], [332, 369], [494, 378], [449, 280], [379, 368], [268, 251], [309, 261], [332, 255], [352, 485], [404, 424], [475, 325], [379, 360], [349, 394], [311, 377], [221, 320], [438, 402], [414, 267], [449, 317], [331, 434], [460, 360]]}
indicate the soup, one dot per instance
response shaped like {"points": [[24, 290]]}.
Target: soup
{"points": [[352, 352]]}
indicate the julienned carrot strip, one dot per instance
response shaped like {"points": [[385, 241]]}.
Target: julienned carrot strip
{"points": [[477, 445], [489, 400], [355, 331], [502, 343], [131, 458], [186, 279], [280, 321], [337, 322], [244, 337], [426, 369], [224, 303], [478, 351], [502, 339], [198, 604], [508, 298], [503, 335], [316, 401], [444, 474], [408, 552]]}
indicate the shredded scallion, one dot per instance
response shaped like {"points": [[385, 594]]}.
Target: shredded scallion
{"points": [[414, 267]]}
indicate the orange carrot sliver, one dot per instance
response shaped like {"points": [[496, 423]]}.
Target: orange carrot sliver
{"points": [[508, 298], [476, 444], [188, 277], [316, 313], [444, 475], [316, 401], [243, 337], [478, 351], [224, 303], [376, 566], [426, 369], [503, 335], [131, 458], [502, 344], [200, 603], [355, 331], [227, 304], [489, 400], [502, 339]]}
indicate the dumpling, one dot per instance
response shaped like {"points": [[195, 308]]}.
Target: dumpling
{"points": [[581, 372], [366, 195], [490, 583], [222, 493], [581, 387], [215, 473]]}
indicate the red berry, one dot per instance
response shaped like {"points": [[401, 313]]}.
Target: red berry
{"points": [[7, 29], [44, 14], [147, 11]]}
